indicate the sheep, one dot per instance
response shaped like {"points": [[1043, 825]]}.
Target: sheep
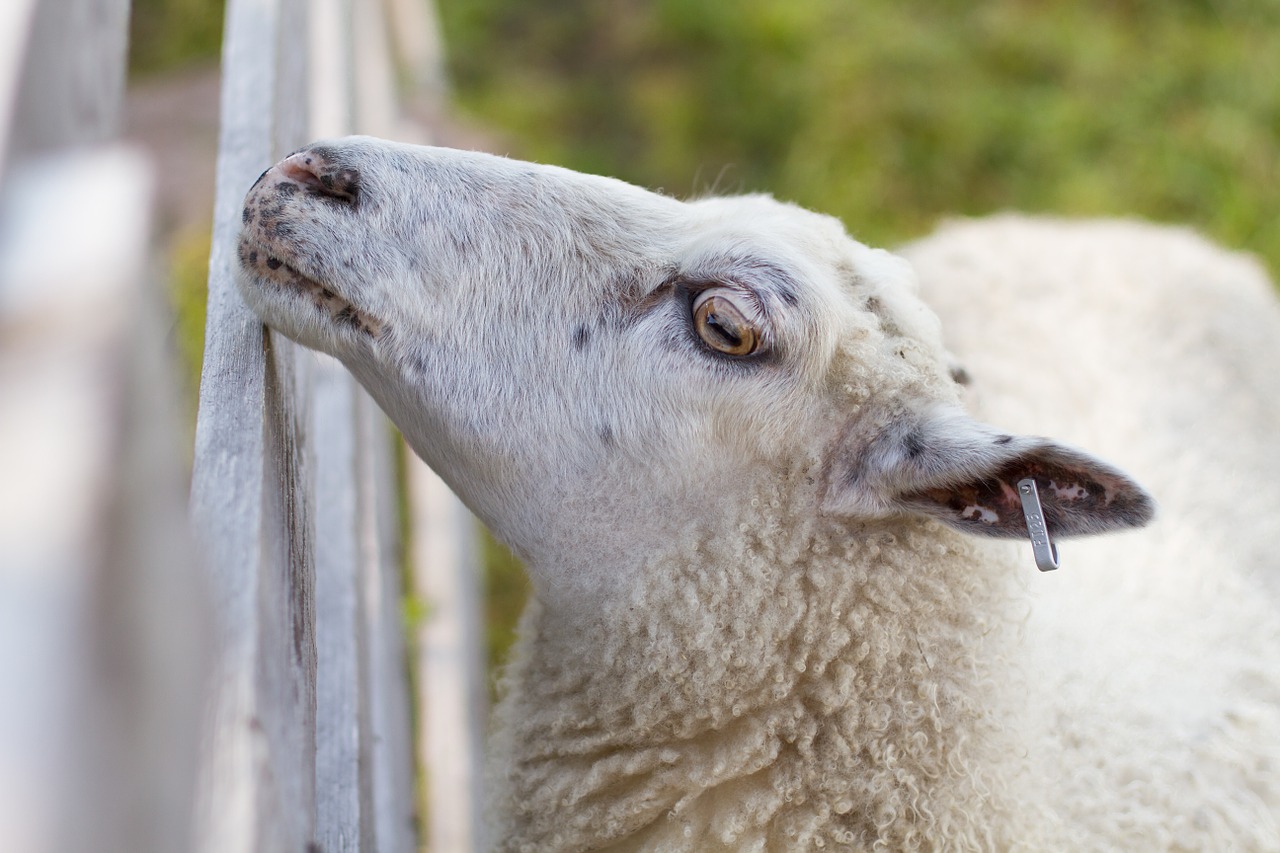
{"points": [[778, 597]]}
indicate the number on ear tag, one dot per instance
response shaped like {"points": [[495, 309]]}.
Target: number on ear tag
{"points": [[1042, 546]]}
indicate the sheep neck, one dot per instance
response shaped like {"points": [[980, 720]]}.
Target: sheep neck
{"points": [[788, 683]]}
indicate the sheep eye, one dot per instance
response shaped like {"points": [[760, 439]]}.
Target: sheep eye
{"points": [[722, 326]]}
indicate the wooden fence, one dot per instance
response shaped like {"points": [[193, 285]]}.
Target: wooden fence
{"points": [[238, 683], [103, 620]]}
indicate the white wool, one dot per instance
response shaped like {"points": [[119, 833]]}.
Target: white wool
{"points": [[759, 621], [1158, 652]]}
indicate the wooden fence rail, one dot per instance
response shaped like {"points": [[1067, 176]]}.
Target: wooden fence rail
{"points": [[103, 619], [280, 635]]}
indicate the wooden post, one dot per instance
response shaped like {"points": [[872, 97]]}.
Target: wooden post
{"points": [[251, 507], [293, 496], [450, 687], [105, 613], [71, 85], [103, 622]]}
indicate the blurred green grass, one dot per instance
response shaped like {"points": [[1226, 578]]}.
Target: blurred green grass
{"points": [[165, 35], [892, 115]]}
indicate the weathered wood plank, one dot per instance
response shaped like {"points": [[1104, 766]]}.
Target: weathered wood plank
{"points": [[320, 691], [449, 658], [387, 809], [342, 823], [339, 616], [389, 751], [415, 32], [450, 686], [294, 485], [250, 513]]}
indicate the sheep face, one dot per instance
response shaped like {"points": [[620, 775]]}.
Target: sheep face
{"points": [[569, 351]]}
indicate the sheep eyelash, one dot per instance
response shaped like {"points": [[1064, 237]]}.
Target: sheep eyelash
{"points": [[692, 288]]}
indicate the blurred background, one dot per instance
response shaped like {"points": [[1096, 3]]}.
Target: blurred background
{"points": [[894, 114], [219, 660], [890, 114]]}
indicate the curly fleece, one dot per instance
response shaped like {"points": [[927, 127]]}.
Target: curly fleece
{"points": [[785, 685], [779, 680]]}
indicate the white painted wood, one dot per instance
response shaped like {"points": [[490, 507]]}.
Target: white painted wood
{"points": [[450, 686], [15, 31], [54, 469], [102, 624], [72, 79], [57, 471]]}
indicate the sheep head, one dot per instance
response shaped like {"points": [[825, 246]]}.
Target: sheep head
{"points": [[589, 364]]}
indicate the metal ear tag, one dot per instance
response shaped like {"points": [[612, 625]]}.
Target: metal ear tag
{"points": [[1042, 546]]}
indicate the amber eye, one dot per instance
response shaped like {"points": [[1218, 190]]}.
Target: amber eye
{"points": [[722, 326]]}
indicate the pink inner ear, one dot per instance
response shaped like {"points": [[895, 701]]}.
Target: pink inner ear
{"points": [[1079, 496], [985, 506]]}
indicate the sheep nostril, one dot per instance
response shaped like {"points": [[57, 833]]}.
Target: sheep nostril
{"points": [[303, 170], [314, 173]]}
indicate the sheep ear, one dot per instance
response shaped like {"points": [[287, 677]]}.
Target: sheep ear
{"points": [[965, 473]]}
